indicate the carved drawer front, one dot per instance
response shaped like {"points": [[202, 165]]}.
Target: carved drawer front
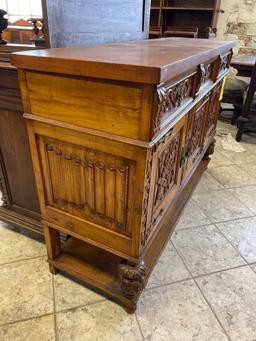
{"points": [[195, 134], [163, 183], [88, 184], [213, 112], [171, 98]]}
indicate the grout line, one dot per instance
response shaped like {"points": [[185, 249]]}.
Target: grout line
{"points": [[243, 202], [23, 260], [207, 302], [54, 309], [193, 227], [237, 251], [82, 306], [141, 332], [214, 313], [25, 319], [219, 271], [213, 223], [250, 265], [169, 283]]}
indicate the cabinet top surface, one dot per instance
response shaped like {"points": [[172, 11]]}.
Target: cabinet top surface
{"points": [[146, 61]]}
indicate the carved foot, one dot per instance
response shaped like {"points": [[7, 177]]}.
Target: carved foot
{"points": [[132, 281], [210, 150]]}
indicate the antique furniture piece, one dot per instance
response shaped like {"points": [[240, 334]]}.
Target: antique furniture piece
{"points": [[25, 32], [20, 205], [182, 13], [244, 65], [120, 135], [246, 123]]}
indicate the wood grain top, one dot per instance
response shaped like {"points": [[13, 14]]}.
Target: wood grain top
{"points": [[146, 61]]}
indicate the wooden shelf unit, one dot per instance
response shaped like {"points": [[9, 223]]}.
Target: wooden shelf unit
{"points": [[183, 13]]}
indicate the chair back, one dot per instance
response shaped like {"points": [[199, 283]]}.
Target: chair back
{"points": [[249, 107]]}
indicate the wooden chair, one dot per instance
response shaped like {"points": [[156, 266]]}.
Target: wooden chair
{"points": [[234, 94], [181, 31], [246, 122]]}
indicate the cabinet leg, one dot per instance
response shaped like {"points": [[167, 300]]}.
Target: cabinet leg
{"points": [[132, 278], [210, 150], [53, 245]]}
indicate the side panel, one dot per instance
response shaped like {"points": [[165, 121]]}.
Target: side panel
{"points": [[91, 187]]}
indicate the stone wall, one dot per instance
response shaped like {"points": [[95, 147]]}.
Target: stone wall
{"points": [[238, 23]]}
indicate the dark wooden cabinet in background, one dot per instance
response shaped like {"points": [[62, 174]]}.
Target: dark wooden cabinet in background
{"points": [[183, 13], [20, 205]]}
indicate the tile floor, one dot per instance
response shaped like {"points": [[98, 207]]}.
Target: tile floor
{"points": [[203, 288]]}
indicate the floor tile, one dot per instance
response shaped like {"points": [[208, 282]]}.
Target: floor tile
{"points": [[242, 234], [249, 168], [169, 268], [232, 176], [232, 295], [177, 312], [101, 321], [205, 250], [218, 159], [70, 294], [192, 216], [41, 328], [240, 158], [16, 246], [25, 290], [208, 183], [221, 205], [247, 195]]}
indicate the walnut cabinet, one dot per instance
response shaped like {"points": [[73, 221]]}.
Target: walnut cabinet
{"points": [[119, 136]]}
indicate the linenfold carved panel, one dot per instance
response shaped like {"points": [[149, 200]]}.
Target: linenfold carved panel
{"points": [[171, 97], [87, 183]]}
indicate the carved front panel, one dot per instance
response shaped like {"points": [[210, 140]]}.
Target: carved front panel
{"points": [[166, 174], [162, 180], [213, 112], [195, 134], [87, 183]]}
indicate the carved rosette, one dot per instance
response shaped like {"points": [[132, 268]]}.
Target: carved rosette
{"points": [[132, 279], [170, 98]]}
